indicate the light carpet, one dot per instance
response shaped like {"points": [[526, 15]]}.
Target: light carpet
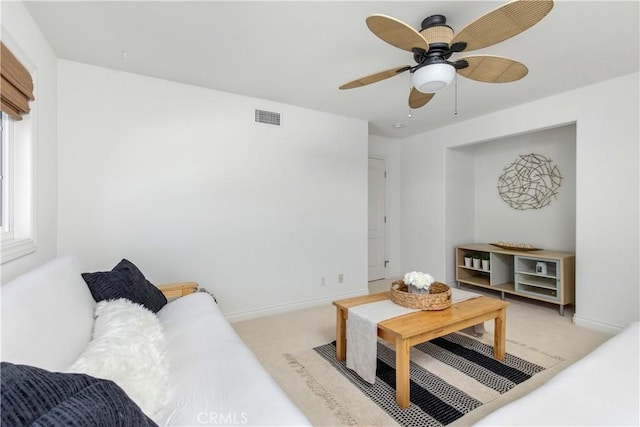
{"points": [[451, 377], [297, 332]]}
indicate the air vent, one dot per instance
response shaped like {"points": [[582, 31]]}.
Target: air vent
{"points": [[267, 117]]}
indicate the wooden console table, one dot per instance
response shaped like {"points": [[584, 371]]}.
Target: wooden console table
{"points": [[517, 272]]}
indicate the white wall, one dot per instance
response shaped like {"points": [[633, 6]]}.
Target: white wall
{"points": [[551, 227], [460, 195], [182, 182], [24, 39], [607, 192]]}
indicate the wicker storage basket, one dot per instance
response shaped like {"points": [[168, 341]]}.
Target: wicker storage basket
{"points": [[438, 298]]}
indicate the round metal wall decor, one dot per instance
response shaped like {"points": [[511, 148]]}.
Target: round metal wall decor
{"points": [[530, 182]]}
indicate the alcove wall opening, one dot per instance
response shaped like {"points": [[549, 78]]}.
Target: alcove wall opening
{"points": [[475, 211]]}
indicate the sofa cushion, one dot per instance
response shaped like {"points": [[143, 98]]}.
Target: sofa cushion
{"points": [[215, 378], [125, 280], [36, 308], [601, 389], [128, 347], [34, 396]]}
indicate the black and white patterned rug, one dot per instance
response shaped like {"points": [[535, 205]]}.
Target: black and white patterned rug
{"points": [[434, 401]]}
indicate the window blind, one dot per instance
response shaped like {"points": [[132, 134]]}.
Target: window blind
{"points": [[16, 86]]}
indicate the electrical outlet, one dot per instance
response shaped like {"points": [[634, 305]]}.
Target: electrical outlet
{"points": [[323, 281], [341, 278]]}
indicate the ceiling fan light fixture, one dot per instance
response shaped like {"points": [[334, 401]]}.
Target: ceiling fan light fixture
{"points": [[433, 77]]}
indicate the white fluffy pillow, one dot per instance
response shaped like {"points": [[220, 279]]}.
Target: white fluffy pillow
{"points": [[128, 347]]}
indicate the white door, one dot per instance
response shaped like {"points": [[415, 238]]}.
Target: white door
{"points": [[377, 220]]}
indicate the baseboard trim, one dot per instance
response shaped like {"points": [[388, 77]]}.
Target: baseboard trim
{"points": [[283, 308], [596, 324]]}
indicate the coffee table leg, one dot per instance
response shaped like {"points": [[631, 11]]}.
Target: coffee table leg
{"points": [[402, 373], [499, 334], [341, 334]]}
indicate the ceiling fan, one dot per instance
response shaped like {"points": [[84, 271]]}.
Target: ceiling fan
{"points": [[435, 43]]}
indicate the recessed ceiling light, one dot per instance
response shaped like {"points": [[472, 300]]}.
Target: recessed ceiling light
{"points": [[124, 54], [397, 125]]}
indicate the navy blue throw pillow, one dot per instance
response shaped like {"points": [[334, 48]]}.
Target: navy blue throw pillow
{"points": [[36, 397], [125, 281]]}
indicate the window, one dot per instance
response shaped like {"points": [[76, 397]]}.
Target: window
{"points": [[16, 203], [16, 161], [4, 174]]}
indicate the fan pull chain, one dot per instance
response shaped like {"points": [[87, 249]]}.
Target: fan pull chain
{"points": [[455, 108]]}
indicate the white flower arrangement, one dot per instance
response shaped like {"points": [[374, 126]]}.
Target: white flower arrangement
{"points": [[419, 280]]}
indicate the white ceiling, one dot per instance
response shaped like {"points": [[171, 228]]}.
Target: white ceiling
{"points": [[299, 52]]}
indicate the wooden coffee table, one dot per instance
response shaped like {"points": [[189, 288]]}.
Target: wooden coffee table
{"points": [[415, 328]]}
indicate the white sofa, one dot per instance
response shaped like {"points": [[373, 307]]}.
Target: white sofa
{"points": [[47, 321], [601, 389]]}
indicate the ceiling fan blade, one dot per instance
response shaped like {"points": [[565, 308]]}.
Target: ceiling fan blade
{"points": [[373, 78], [418, 99], [492, 69], [396, 32], [502, 23]]}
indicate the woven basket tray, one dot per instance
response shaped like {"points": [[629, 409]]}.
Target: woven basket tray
{"points": [[438, 298]]}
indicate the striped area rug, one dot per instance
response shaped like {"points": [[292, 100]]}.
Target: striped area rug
{"points": [[434, 401]]}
